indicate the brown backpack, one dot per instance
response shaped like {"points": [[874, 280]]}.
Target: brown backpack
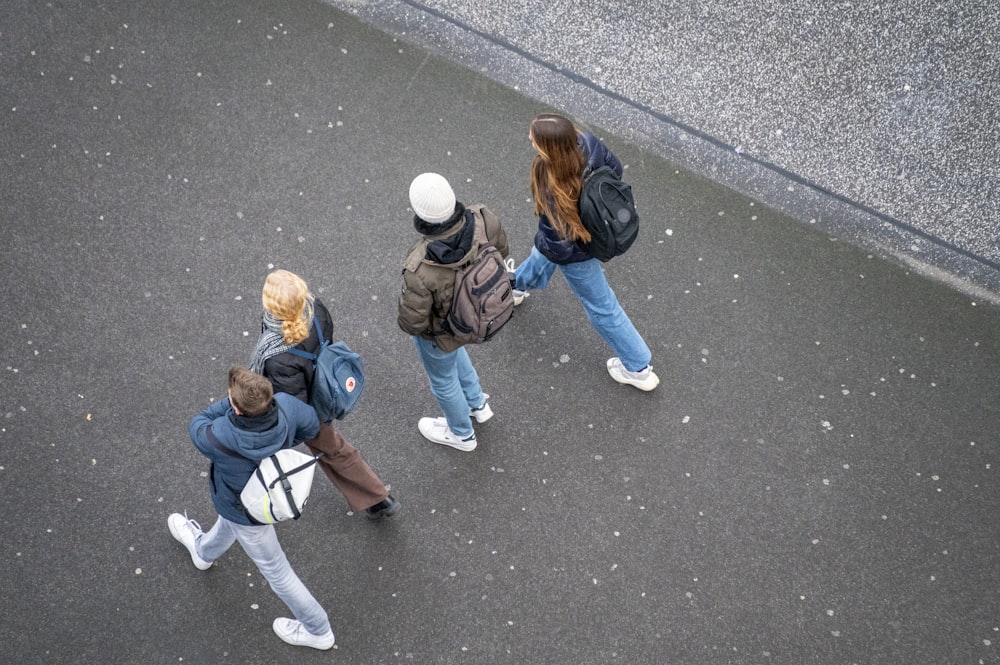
{"points": [[483, 299]]}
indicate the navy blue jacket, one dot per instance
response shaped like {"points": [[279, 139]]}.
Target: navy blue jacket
{"points": [[253, 439], [547, 240]]}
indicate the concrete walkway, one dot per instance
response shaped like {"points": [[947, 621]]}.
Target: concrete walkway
{"points": [[875, 123]]}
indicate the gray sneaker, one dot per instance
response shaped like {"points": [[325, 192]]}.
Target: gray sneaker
{"points": [[387, 507], [644, 379]]}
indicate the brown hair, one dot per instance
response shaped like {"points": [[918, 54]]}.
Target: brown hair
{"points": [[249, 392], [287, 297], [556, 174]]}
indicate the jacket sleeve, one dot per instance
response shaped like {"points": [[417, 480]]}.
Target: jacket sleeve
{"points": [[303, 417], [552, 247], [599, 155], [416, 302], [198, 425]]}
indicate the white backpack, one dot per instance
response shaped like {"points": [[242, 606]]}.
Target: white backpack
{"points": [[279, 488]]}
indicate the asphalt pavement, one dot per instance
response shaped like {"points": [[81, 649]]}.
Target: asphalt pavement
{"points": [[813, 481]]}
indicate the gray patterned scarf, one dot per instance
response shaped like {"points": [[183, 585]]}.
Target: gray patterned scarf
{"points": [[270, 343]]}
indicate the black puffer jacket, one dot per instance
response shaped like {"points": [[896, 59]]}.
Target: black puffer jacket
{"points": [[547, 240], [292, 374]]}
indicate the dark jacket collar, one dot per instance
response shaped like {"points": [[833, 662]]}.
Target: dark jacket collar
{"points": [[260, 423], [450, 241], [426, 228]]}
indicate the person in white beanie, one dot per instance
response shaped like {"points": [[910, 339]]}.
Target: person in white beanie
{"points": [[447, 241]]}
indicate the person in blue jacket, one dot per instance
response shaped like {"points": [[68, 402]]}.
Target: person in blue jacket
{"points": [[253, 422], [563, 153]]}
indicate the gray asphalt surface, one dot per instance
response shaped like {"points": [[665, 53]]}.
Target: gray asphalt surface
{"points": [[877, 123], [813, 482]]}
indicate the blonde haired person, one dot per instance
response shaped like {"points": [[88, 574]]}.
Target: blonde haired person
{"points": [[287, 322], [563, 153]]}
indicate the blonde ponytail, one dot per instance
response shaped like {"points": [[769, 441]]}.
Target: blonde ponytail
{"points": [[286, 296]]}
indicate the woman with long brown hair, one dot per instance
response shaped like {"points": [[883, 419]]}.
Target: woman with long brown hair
{"points": [[563, 153]]}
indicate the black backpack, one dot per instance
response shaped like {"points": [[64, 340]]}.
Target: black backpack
{"points": [[607, 210], [483, 300]]}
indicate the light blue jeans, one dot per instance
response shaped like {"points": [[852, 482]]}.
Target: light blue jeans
{"points": [[261, 545], [587, 281], [454, 383]]}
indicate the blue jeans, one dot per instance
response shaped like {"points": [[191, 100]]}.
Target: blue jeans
{"points": [[587, 281], [261, 545], [454, 383]]}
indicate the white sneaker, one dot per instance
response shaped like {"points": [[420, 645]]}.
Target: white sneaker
{"points": [[186, 532], [518, 294], [295, 633], [437, 430], [484, 412], [644, 379]]}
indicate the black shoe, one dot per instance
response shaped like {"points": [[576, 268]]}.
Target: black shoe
{"points": [[385, 508]]}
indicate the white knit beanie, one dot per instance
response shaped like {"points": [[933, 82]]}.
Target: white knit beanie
{"points": [[432, 198]]}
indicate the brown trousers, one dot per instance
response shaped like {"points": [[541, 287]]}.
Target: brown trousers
{"points": [[345, 468]]}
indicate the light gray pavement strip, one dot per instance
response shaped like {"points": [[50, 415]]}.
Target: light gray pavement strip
{"points": [[876, 122], [813, 482]]}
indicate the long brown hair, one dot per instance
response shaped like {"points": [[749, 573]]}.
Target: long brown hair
{"points": [[556, 174]]}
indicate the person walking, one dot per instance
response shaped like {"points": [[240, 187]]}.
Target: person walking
{"points": [[563, 153], [235, 433], [287, 322], [448, 240]]}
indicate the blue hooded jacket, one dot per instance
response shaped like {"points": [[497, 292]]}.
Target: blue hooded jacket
{"points": [[547, 239], [288, 423]]}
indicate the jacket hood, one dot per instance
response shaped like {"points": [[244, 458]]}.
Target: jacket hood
{"points": [[260, 437], [453, 246]]}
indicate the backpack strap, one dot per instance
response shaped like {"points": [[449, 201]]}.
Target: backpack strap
{"points": [[479, 237], [215, 443]]}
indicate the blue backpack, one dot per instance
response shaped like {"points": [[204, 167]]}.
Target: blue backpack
{"points": [[338, 378]]}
